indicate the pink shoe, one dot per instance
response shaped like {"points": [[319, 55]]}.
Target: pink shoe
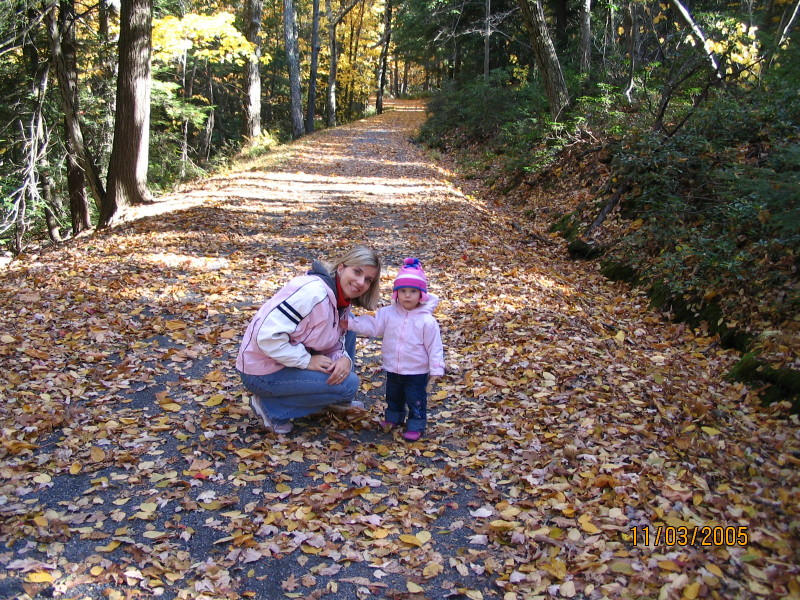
{"points": [[412, 436]]}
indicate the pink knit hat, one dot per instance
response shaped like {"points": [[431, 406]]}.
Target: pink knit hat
{"points": [[411, 275]]}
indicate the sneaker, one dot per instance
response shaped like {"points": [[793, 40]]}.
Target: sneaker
{"points": [[343, 407], [266, 422], [412, 436]]}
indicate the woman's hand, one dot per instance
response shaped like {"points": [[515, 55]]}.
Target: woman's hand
{"points": [[320, 362], [338, 369]]}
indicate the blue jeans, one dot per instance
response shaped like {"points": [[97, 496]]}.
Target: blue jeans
{"points": [[407, 391], [292, 393]]}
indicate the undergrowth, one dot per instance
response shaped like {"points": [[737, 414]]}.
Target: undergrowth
{"points": [[709, 213]]}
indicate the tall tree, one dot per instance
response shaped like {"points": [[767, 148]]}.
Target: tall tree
{"points": [[127, 168], [252, 121], [545, 53], [293, 60], [333, 22], [312, 76], [586, 36], [76, 179], [384, 58], [66, 80]]}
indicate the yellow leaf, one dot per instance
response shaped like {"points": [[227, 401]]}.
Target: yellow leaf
{"points": [[171, 406], [413, 588], [503, 525], [714, 569], [692, 590], [620, 337], [75, 468], [378, 533], [432, 569], [440, 395], [154, 535], [112, 545], [96, 570], [39, 577], [42, 478], [710, 430], [669, 565], [148, 506], [7, 339], [424, 536], [175, 325], [40, 521], [586, 524], [215, 400], [282, 487], [410, 539], [98, 454]]}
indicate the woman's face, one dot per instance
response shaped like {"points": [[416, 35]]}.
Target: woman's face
{"points": [[355, 280]]}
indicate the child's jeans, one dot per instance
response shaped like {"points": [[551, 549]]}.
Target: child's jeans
{"points": [[407, 391]]}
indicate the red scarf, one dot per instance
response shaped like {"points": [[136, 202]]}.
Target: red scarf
{"points": [[341, 301]]}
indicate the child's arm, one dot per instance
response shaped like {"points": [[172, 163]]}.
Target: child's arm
{"points": [[432, 339], [368, 325]]}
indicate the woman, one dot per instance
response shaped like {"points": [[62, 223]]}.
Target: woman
{"points": [[293, 357]]}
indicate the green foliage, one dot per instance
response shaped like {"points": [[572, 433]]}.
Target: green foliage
{"points": [[717, 206]]}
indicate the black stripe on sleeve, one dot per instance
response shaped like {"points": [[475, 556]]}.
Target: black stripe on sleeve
{"points": [[291, 309], [287, 314]]}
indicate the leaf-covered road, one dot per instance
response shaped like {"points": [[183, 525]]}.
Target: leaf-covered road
{"points": [[131, 467]]}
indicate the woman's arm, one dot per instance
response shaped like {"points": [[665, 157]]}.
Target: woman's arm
{"points": [[273, 334]]}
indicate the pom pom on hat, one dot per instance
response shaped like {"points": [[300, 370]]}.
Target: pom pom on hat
{"points": [[411, 275]]}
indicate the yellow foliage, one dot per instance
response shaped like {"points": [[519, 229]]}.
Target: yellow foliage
{"points": [[212, 37]]}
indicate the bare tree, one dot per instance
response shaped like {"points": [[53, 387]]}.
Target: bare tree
{"points": [[586, 36], [312, 76], [384, 58], [546, 58], [293, 60], [333, 22], [253, 10]]}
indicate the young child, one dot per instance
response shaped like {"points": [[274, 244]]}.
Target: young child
{"points": [[412, 348]]}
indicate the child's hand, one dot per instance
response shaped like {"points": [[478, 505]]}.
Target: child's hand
{"points": [[431, 383]]}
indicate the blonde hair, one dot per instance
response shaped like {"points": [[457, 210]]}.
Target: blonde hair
{"points": [[360, 256]]}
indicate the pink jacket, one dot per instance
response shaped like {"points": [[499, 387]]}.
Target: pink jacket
{"points": [[300, 319], [412, 344]]}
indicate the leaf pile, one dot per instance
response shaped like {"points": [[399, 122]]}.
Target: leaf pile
{"points": [[571, 414]]}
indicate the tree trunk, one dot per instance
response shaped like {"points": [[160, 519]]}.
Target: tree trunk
{"points": [[486, 38], [252, 125], [331, 93], [312, 76], [586, 36], [633, 38], [546, 58], [293, 61], [406, 67], [383, 64], [699, 33], [68, 92], [333, 21], [610, 33], [127, 168]]}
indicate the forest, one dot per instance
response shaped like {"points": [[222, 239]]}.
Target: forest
{"points": [[677, 121]]}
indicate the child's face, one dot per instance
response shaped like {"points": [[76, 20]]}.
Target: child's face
{"points": [[408, 297]]}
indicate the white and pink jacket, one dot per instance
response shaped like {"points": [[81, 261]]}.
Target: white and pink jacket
{"points": [[412, 343], [299, 320]]}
